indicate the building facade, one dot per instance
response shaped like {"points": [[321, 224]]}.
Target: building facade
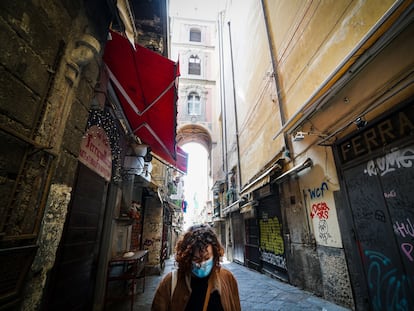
{"points": [[315, 158], [193, 42]]}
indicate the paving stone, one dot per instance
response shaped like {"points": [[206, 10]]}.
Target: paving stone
{"points": [[258, 292]]}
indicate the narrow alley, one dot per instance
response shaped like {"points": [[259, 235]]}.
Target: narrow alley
{"points": [[257, 292], [302, 113]]}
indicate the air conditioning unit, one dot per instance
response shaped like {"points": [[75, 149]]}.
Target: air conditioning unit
{"points": [[134, 165]]}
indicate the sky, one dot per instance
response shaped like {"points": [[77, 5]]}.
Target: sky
{"points": [[195, 182], [198, 9]]}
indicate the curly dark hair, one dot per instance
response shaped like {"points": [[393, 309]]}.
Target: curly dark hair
{"points": [[197, 238]]}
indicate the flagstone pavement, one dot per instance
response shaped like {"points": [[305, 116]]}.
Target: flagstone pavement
{"points": [[258, 292]]}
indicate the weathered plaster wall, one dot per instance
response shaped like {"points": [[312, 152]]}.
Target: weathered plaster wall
{"points": [[313, 38], [301, 257], [303, 268], [315, 257], [385, 80], [317, 186], [254, 89]]}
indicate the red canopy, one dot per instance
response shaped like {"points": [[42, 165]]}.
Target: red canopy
{"points": [[182, 159], [145, 83]]}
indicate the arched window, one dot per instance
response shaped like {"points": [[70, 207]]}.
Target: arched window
{"points": [[195, 35], [194, 65], [193, 104]]}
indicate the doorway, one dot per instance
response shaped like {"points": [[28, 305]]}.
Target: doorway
{"points": [[72, 282]]}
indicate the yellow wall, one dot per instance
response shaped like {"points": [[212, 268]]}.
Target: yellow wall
{"points": [[257, 107], [313, 38]]}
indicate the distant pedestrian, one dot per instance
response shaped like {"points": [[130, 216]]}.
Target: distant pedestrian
{"points": [[199, 283]]}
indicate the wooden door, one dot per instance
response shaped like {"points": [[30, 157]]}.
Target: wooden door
{"points": [[73, 277]]}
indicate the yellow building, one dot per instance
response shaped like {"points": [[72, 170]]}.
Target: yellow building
{"points": [[314, 165]]}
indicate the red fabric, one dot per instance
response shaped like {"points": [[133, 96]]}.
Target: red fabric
{"points": [[182, 160], [145, 83]]}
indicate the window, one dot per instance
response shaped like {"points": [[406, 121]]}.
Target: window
{"points": [[194, 67], [193, 104], [195, 35]]}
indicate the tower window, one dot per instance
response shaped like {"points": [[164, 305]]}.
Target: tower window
{"points": [[194, 65], [195, 35], [193, 104]]}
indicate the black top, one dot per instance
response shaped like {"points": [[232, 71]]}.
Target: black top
{"points": [[198, 293]]}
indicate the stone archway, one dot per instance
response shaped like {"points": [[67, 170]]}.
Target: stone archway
{"points": [[194, 133]]}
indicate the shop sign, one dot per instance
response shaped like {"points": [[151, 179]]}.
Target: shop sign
{"points": [[396, 126], [95, 152]]}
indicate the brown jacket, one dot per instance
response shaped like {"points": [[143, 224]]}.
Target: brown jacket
{"points": [[222, 280]]}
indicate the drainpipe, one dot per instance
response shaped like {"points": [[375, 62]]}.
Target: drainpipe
{"points": [[275, 73], [235, 109], [222, 97]]}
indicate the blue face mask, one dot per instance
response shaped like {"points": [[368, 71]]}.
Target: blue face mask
{"points": [[203, 269]]}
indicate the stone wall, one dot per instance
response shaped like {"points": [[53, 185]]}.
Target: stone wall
{"points": [[303, 268], [49, 69], [152, 233], [49, 66], [336, 283], [49, 239]]}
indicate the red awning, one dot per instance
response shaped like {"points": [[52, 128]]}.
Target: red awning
{"points": [[182, 159], [145, 83]]}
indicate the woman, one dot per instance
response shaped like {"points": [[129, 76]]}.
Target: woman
{"points": [[200, 283]]}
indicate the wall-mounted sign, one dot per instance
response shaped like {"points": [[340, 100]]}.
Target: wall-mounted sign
{"points": [[95, 152], [395, 126]]}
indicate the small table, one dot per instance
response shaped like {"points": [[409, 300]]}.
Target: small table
{"points": [[127, 270]]}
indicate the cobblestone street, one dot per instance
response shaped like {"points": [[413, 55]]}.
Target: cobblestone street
{"points": [[257, 292]]}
